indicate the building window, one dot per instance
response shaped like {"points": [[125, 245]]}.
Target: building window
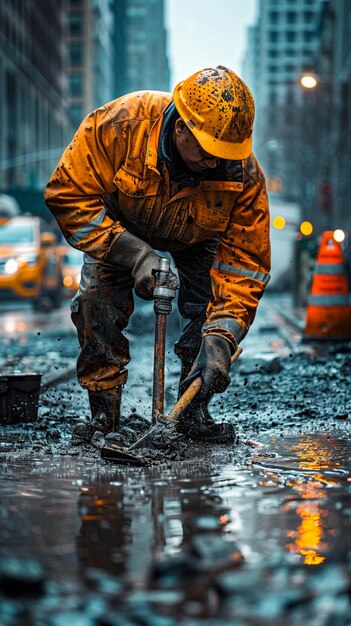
{"points": [[136, 11], [290, 36], [76, 84], [273, 36], [76, 115], [272, 97], [308, 16], [273, 17], [76, 24], [10, 95], [137, 47], [273, 53], [76, 54], [291, 17]]}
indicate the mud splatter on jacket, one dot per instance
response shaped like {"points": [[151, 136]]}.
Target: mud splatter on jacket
{"points": [[108, 180]]}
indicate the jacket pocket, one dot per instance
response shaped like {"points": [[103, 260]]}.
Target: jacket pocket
{"points": [[193, 221], [136, 195], [209, 217]]}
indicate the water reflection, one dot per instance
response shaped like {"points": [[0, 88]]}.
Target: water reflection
{"points": [[196, 541], [313, 464], [316, 455], [291, 500], [133, 528], [307, 539]]}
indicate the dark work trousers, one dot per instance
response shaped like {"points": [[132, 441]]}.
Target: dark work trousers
{"points": [[104, 303]]}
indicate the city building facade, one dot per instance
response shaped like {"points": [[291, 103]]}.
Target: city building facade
{"points": [[59, 60], [89, 49], [280, 49], [303, 136], [140, 53], [33, 112]]}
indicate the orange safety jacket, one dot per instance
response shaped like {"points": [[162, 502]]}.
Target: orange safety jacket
{"points": [[112, 161]]}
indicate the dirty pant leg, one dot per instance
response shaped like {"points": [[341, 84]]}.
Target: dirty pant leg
{"points": [[100, 311], [195, 292]]}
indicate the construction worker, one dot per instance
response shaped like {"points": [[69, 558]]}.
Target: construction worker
{"points": [[154, 171]]}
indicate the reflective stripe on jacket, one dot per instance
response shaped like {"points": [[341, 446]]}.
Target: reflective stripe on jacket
{"points": [[107, 181]]}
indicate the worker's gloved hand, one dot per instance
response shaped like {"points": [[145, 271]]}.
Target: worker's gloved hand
{"points": [[134, 254], [212, 364], [144, 273]]}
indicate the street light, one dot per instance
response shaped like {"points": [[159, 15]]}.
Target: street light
{"points": [[318, 107], [309, 81], [339, 235]]}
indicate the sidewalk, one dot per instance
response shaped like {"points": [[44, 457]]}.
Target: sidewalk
{"points": [[277, 328]]}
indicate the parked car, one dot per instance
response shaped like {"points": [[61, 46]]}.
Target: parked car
{"points": [[72, 261], [30, 264], [9, 206]]}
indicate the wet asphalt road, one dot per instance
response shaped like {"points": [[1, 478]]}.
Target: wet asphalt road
{"points": [[254, 533]]}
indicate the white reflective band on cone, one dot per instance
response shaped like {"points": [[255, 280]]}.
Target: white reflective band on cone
{"points": [[334, 300], [325, 268]]}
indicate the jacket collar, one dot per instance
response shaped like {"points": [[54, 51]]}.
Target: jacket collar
{"points": [[153, 142]]}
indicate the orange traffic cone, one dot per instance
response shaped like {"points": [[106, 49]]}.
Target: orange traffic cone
{"points": [[328, 313]]}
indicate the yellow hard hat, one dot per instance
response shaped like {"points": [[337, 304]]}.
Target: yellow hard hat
{"points": [[219, 109]]}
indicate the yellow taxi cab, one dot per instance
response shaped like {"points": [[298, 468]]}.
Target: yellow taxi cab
{"points": [[30, 265], [72, 261]]}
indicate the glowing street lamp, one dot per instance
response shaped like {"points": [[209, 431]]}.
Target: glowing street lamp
{"points": [[279, 222], [339, 235], [308, 81], [306, 228]]}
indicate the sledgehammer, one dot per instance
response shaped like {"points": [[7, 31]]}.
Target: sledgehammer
{"points": [[164, 426]]}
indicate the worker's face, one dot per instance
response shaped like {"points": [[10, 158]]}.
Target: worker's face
{"points": [[190, 150]]}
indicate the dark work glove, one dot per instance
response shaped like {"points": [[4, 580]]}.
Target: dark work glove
{"points": [[212, 364], [134, 254]]}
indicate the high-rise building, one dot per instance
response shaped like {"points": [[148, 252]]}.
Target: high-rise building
{"points": [[303, 136], [250, 61], [59, 60], [33, 120], [286, 47], [89, 34], [280, 49], [140, 42], [114, 46]]}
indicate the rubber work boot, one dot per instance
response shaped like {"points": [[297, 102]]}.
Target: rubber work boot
{"points": [[105, 412], [200, 425]]}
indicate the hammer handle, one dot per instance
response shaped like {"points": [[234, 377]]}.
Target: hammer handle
{"points": [[190, 393]]}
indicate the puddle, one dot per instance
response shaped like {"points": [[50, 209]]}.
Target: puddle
{"points": [[310, 479], [260, 541]]}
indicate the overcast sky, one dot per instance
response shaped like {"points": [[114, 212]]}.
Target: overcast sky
{"points": [[206, 33]]}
